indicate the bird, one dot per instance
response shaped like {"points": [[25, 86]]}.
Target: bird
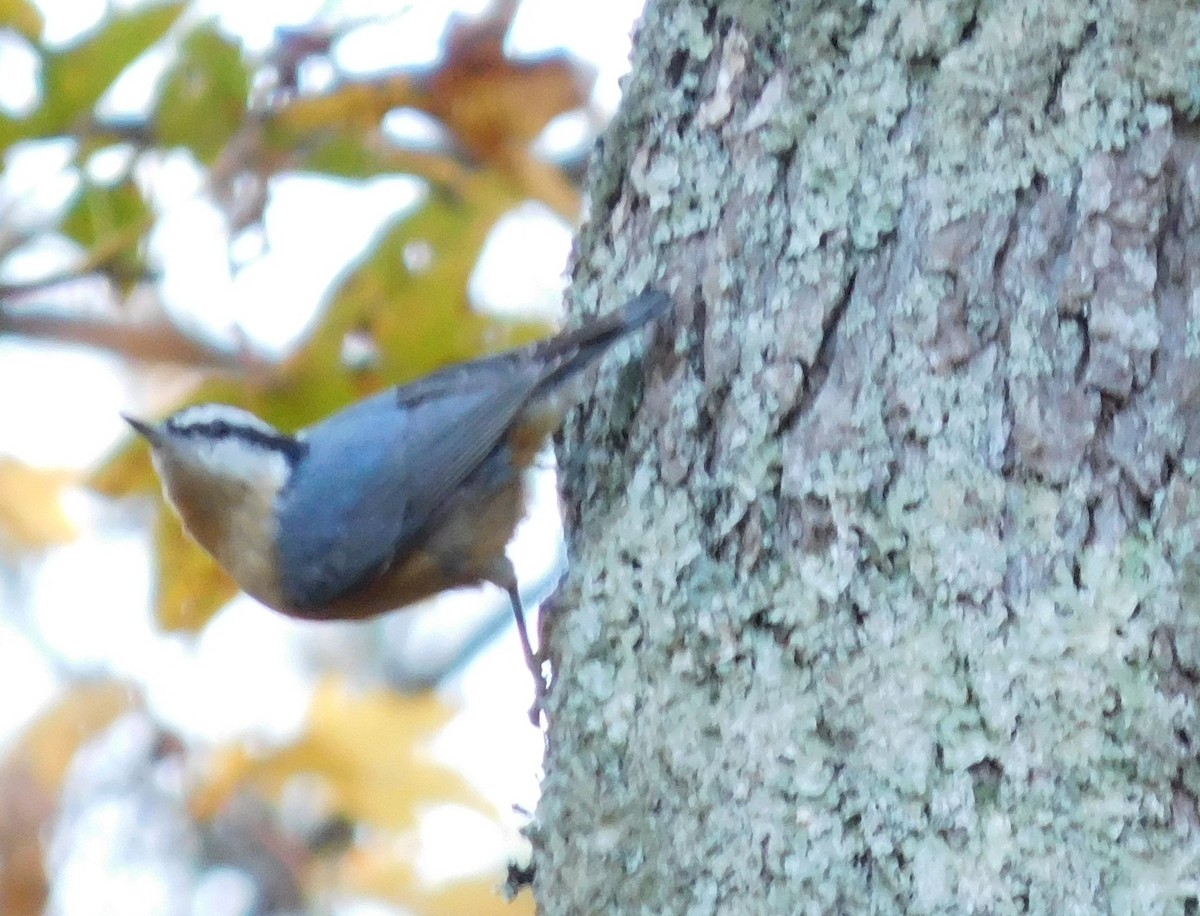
{"points": [[411, 492]]}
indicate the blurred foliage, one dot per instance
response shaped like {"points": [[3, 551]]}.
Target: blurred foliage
{"points": [[244, 119], [369, 753], [372, 749], [364, 760], [31, 511], [31, 778]]}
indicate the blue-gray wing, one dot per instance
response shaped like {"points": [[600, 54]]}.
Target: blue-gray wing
{"points": [[376, 472]]}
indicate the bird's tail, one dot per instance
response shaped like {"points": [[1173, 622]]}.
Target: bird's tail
{"points": [[571, 352]]}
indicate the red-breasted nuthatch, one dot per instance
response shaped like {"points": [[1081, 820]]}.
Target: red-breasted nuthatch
{"points": [[411, 492]]}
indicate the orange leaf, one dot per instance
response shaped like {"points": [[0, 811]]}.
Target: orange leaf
{"points": [[492, 103]]}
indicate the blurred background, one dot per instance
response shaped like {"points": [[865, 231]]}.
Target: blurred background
{"points": [[280, 205]]}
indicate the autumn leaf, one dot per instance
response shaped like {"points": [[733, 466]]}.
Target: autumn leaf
{"points": [[377, 871], [369, 749], [31, 512], [23, 17], [126, 473], [492, 107], [49, 744], [495, 106], [492, 102], [31, 777], [189, 586]]}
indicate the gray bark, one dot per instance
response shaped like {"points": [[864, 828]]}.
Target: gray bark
{"points": [[885, 577]]}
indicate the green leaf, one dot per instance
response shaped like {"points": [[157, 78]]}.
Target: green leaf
{"points": [[202, 103], [23, 17], [100, 210], [345, 155], [11, 130], [420, 318], [76, 77], [110, 221]]}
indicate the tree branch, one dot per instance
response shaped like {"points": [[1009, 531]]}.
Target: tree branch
{"points": [[148, 341]]}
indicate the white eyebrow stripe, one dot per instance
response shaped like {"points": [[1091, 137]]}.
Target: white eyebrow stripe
{"points": [[207, 414]]}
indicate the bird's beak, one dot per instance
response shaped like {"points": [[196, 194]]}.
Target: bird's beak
{"points": [[147, 431]]}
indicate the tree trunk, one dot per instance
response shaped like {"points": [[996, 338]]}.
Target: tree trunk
{"points": [[885, 583]]}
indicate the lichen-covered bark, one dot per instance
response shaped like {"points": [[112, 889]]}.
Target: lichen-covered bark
{"points": [[887, 566]]}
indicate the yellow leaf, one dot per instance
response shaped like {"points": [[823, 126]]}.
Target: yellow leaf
{"points": [[189, 586], [125, 473], [370, 751], [478, 896], [31, 513], [23, 17], [382, 871], [345, 107], [47, 746]]}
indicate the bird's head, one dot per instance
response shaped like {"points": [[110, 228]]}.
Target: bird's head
{"points": [[223, 470], [225, 446]]}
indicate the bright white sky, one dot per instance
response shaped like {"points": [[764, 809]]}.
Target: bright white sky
{"points": [[251, 671]]}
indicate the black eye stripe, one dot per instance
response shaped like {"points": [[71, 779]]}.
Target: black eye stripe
{"points": [[291, 448]]}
